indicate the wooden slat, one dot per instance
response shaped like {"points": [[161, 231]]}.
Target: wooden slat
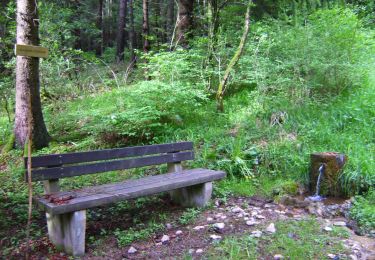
{"points": [[77, 170], [107, 154], [102, 195]]}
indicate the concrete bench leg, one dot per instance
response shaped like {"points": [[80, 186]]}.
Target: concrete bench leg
{"points": [[67, 231], [193, 196]]}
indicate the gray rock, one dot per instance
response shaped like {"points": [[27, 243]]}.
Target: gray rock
{"points": [[199, 251], [165, 239], [209, 219], [339, 223], [197, 228], [271, 228], [168, 226], [256, 233], [260, 217], [237, 209], [278, 257], [215, 237], [178, 232], [328, 229], [219, 226], [251, 222], [132, 250]]}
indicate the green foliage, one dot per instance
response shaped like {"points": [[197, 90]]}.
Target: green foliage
{"points": [[363, 211], [188, 216], [294, 239], [126, 237]]}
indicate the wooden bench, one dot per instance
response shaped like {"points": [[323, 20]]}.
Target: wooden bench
{"points": [[66, 210]]}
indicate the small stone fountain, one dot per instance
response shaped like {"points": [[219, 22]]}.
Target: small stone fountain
{"points": [[324, 174]]}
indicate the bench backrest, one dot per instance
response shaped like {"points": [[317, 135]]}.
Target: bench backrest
{"points": [[57, 166]]}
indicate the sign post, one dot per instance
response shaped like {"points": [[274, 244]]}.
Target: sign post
{"points": [[30, 51]]}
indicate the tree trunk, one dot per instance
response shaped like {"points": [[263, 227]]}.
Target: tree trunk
{"points": [[132, 33], [213, 17], [222, 86], [27, 80], [121, 31], [99, 25], [145, 27], [185, 21], [170, 19]]}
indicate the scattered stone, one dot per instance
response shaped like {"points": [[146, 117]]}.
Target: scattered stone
{"points": [[328, 229], [246, 218], [260, 217], [219, 226], [199, 251], [215, 237], [256, 233], [240, 215], [191, 251], [237, 210], [168, 226], [209, 219], [267, 206], [339, 223], [278, 257], [132, 250], [223, 217], [331, 256], [159, 243], [197, 228], [178, 232], [353, 257], [251, 223], [271, 228], [165, 239]]}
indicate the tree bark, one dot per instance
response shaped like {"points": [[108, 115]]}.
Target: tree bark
{"points": [[121, 30], [170, 19], [222, 86], [99, 25], [27, 80], [131, 33], [145, 27], [185, 21]]}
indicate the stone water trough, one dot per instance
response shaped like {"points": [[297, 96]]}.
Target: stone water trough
{"points": [[329, 166]]}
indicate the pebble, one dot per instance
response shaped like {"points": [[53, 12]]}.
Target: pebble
{"points": [[328, 229], [223, 217], [260, 217], [331, 256], [165, 238], [198, 228], [339, 223], [168, 226], [256, 233], [199, 251], [246, 218], [215, 237], [178, 232], [278, 257], [209, 219], [132, 250], [219, 226], [271, 228], [237, 210], [353, 257], [251, 222]]}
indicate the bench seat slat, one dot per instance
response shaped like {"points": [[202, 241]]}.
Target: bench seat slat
{"points": [[77, 170], [107, 154], [104, 194]]}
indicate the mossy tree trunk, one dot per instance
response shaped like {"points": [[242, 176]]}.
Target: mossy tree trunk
{"points": [[223, 84]]}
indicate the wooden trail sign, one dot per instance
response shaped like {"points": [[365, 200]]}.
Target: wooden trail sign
{"points": [[30, 51]]}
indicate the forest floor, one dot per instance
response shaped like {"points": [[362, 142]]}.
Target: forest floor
{"points": [[235, 228]]}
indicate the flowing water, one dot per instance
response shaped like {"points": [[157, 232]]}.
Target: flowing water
{"points": [[316, 196]]}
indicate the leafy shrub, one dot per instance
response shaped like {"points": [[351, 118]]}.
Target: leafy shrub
{"points": [[363, 211], [325, 56]]}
